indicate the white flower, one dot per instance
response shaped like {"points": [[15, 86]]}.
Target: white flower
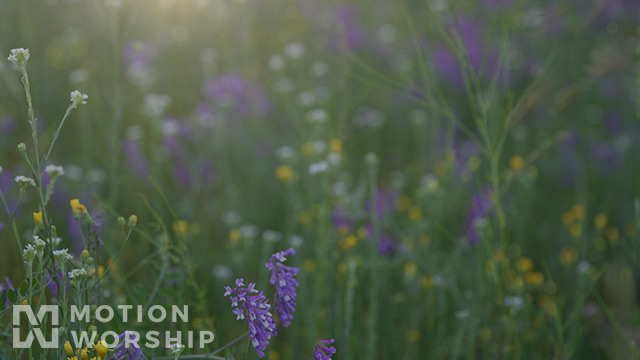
{"points": [[54, 170], [77, 273], [248, 231], [294, 50], [276, 62], [155, 104], [319, 167], [25, 181], [319, 69], [285, 152], [296, 240], [284, 85], [78, 98], [230, 217], [62, 255], [318, 116], [0, 169], [222, 271], [19, 56], [176, 348], [29, 253], [270, 235]]}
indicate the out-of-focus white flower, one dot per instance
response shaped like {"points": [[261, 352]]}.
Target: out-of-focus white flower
{"points": [[284, 85], [276, 62], [78, 98], [296, 241], [155, 105], [248, 231], [318, 116], [271, 235], [169, 127], [295, 50], [319, 146], [222, 272], [387, 34], [230, 217], [79, 76], [306, 98], [19, 56], [54, 170], [319, 167], [285, 152], [319, 69]]}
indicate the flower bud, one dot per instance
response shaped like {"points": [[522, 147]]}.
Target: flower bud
{"points": [[121, 221], [133, 221]]}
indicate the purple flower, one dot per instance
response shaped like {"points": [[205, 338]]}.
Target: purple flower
{"points": [[136, 159], [1, 226], [478, 212], [255, 308], [53, 287], [282, 277], [322, 351], [233, 91], [128, 350]]}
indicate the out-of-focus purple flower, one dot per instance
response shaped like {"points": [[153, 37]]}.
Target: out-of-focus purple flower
{"points": [[385, 202], [340, 221], [352, 35], [283, 277], [232, 91], [8, 124], [387, 245], [6, 181], [137, 162], [53, 287], [128, 349], [5, 286], [1, 226], [137, 58], [477, 216], [323, 351], [614, 123], [255, 308], [607, 159]]}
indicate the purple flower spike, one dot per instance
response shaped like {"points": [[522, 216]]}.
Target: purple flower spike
{"points": [[322, 351], [255, 308], [128, 350], [283, 277]]}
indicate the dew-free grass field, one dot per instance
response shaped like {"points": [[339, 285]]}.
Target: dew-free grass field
{"points": [[457, 180]]}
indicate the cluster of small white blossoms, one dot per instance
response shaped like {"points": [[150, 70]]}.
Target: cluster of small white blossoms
{"points": [[24, 181], [62, 255], [176, 348], [77, 274], [19, 56], [78, 98], [54, 170], [29, 253]]}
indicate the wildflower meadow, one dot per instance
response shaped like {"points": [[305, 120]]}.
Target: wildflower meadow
{"points": [[319, 179]]}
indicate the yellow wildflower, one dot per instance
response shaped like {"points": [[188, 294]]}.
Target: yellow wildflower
{"points": [[415, 213], [568, 255], [335, 145], [235, 234], [612, 234], [180, 227], [37, 218], [525, 264], [284, 173], [534, 278], [600, 221], [410, 269], [349, 242], [68, 350], [516, 163]]}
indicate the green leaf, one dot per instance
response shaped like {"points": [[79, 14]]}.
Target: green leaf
{"points": [[24, 288], [11, 295]]}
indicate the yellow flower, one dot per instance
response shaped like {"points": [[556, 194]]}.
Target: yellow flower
{"points": [[413, 336], [516, 163], [362, 232], [349, 242], [612, 234], [410, 269], [415, 213], [309, 265], [284, 173], [525, 264], [427, 282], [474, 163], [578, 211], [72, 358], [335, 145], [575, 230], [68, 350], [274, 355], [403, 202], [568, 255], [304, 218], [600, 221], [567, 218], [84, 354], [534, 278], [101, 349], [76, 206], [180, 227], [37, 218], [234, 234]]}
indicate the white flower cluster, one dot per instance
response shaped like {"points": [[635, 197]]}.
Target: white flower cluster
{"points": [[78, 98], [25, 181], [62, 255], [77, 274], [19, 56], [54, 170]]}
